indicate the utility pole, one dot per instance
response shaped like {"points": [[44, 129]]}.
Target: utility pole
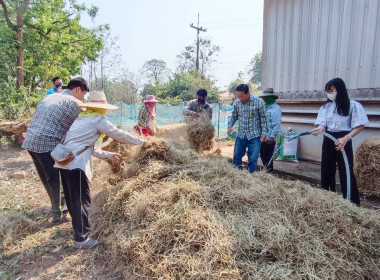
{"points": [[198, 29]]}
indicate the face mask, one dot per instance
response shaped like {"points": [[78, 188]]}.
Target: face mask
{"points": [[331, 95]]}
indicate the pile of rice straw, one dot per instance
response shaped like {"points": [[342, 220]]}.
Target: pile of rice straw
{"points": [[367, 166], [174, 131], [200, 132], [13, 227], [176, 214]]}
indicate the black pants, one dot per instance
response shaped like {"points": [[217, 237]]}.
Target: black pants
{"points": [[330, 157], [266, 153], [78, 199], [50, 179]]}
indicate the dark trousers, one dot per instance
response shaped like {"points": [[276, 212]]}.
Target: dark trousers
{"points": [[50, 179], [78, 199], [331, 157], [266, 153]]}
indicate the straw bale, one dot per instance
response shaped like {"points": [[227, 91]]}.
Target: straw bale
{"points": [[200, 132], [174, 131], [13, 227], [207, 220], [367, 166]]}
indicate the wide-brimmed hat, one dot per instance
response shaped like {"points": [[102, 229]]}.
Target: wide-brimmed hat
{"points": [[151, 98], [268, 92], [97, 99]]}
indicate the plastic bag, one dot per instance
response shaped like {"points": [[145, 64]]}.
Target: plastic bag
{"points": [[289, 149]]}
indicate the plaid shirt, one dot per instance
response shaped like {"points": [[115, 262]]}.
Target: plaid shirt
{"points": [[143, 117], [252, 118], [53, 118]]}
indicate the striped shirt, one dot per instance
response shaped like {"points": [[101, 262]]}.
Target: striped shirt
{"points": [[252, 118], [53, 118]]}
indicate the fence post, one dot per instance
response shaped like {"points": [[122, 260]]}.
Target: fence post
{"points": [[218, 117]]}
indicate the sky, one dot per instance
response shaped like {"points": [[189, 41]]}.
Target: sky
{"points": [[160, 29]]}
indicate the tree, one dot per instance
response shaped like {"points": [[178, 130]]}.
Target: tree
{"points": [[45, 40], [186, 61], [107, 64], [156, 71], [232, 86], [123, 88], [255, 69]]}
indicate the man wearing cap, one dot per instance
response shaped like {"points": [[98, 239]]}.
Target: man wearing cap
{"points": [[274, 123], [146, 121], [52, 119], [195, 106], [77, 174], [57, 86], [251, 113]]}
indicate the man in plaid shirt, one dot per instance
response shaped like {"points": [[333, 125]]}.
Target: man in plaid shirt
{"points": [[53, 118], [252, 116]]}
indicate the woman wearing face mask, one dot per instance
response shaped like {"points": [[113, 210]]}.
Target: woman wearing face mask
{"points": [[343, 119], [146, 121]]}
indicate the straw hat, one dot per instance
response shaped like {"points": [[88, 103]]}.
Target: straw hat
{"points": [[268, 92], [97, 99], [151, 98]]}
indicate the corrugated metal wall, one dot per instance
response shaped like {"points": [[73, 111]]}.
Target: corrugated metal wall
{"points": [[308, 42]]}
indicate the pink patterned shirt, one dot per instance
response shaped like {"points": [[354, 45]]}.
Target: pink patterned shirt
{"points": [[332, 121]]}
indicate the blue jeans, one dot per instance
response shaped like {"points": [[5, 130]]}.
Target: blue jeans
{"points": [[241, 146]]}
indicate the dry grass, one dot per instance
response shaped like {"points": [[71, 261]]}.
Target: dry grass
{"points": [[200, 132], [367, 166], [175, 214]]}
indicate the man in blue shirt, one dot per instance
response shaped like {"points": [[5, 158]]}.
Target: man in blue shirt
{"points": [[252, 116], [274, 121], [57, 86]]}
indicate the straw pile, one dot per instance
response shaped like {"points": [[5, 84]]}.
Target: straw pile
{"points": [[200, 132], [367, 166], [176, 214], [174, 131], [13, 227]]}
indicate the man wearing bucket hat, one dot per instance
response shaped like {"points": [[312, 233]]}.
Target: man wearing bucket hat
{"points": [[195, 106], [274, 123], [52, 119], [146, 121], [77, 174]]}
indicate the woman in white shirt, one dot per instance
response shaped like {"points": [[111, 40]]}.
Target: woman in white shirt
{"points": [[77, 174], [343, 119]]}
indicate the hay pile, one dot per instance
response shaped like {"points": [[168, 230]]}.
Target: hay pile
{"points": [[367, 166], [175, 214], [173, 131], [13, 227], [200, 132]]}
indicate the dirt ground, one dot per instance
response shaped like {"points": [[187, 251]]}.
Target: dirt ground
{"points": [[45, 251]]}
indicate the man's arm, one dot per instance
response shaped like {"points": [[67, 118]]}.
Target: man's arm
{"points": [[189, 109], [263, 120], [234, 118]]}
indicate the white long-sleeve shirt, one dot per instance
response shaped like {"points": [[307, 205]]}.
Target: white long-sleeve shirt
{"points": [[83, 133]]}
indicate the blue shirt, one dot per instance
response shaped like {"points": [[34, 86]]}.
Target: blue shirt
{"points": [[274, 120], [252, 118], [51, 91]]}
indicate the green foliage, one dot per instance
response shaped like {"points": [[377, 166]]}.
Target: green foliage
{"points": [[55, 44], [255, 69], [182, 87], [16, 103]]}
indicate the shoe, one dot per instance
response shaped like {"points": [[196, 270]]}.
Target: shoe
{"points": [[88, 243], [59, 220]]}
